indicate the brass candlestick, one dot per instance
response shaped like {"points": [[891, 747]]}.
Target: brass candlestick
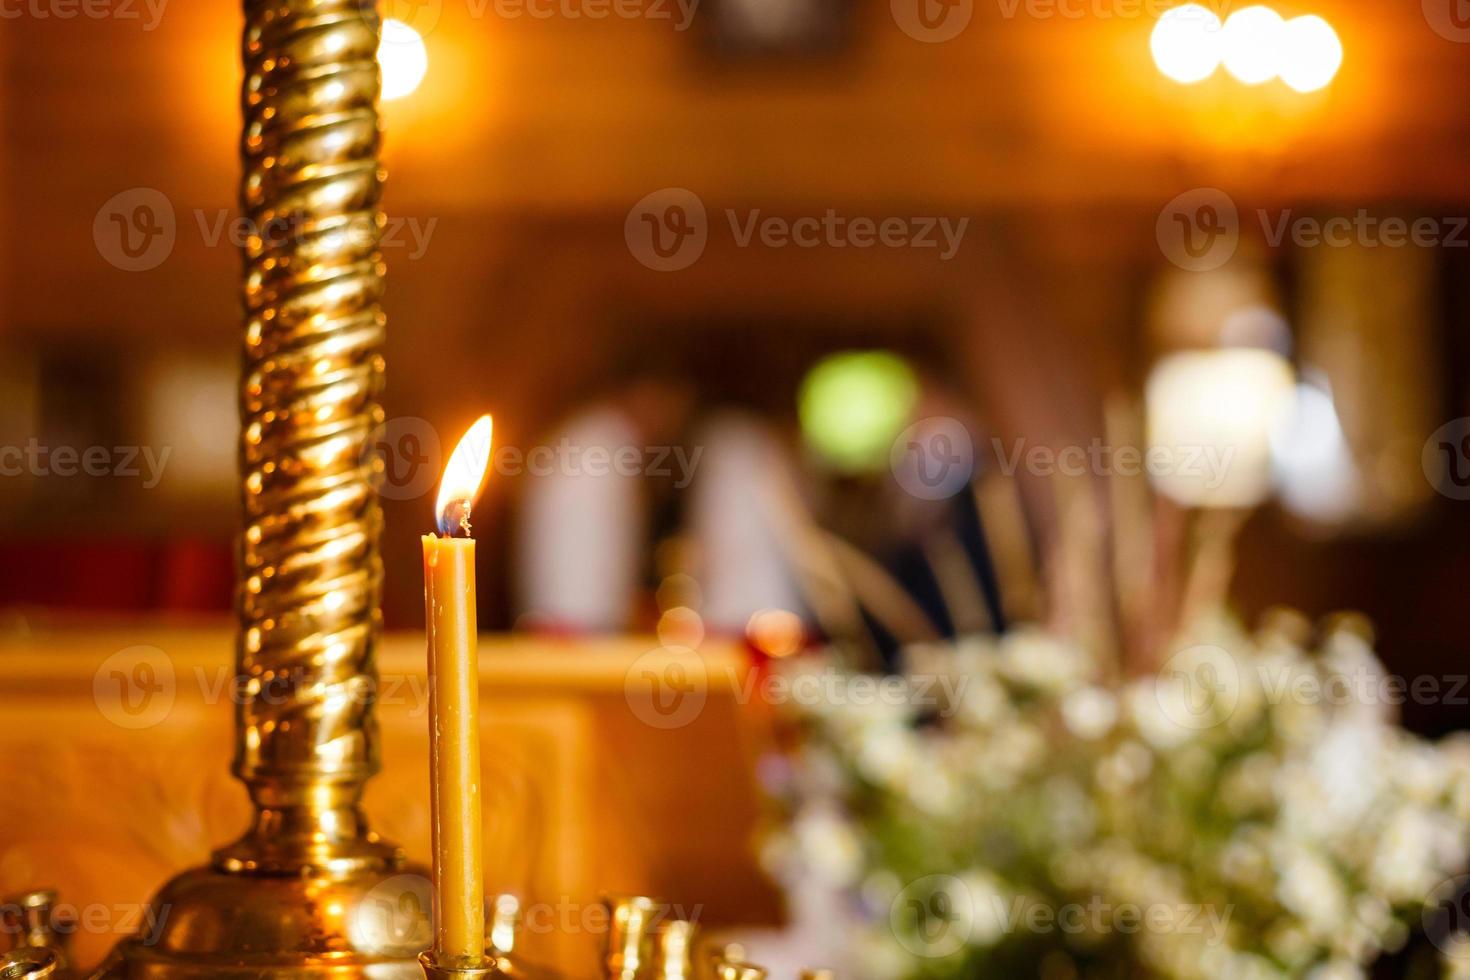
{"points": [[309, 890]]}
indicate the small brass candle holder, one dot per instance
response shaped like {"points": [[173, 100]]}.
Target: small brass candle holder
{"points": [[33, 919], [29, 963], [732, 970], [630, 936], [676, 940]]}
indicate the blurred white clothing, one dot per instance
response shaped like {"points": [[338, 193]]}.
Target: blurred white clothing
{"points": [[743, 479], [583, 526]]}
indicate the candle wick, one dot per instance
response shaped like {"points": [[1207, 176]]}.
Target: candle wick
{"points": [[456, 520]]}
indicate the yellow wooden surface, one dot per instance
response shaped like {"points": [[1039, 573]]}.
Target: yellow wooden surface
{"points": [[115, 778]]}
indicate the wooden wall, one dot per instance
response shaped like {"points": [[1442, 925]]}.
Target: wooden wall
{"points": [[530, 140]]}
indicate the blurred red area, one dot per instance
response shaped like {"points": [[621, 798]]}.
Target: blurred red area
{"points": [[119, 575]]}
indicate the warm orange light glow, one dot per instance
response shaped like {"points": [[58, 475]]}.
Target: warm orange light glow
{"points": [[1312, 53], [463, 477], [402, 58], [1252, 42], [1255, 44], [776, 632], [680, 626], [1186, 43]]}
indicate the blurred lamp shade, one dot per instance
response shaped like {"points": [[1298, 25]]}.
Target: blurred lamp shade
{"points": [[1211, 416]]}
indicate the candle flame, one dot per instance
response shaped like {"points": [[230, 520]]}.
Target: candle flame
{"points": [[463, 477]]}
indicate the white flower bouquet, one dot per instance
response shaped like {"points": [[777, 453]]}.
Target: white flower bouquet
{"points": [[1005, 809]]}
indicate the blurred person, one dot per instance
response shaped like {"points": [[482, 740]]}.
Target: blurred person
{"points": [[735, 518], [586, 527], [913, 537], [940, 547]]}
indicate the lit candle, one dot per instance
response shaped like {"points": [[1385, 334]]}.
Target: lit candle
{"points": [[454, 698]]}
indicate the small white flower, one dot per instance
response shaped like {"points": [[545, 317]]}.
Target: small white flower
{"points": [[1070, 812], [1416, 849], [932, 790], [1336, 970], [989, 902], [1311, 889], [1125, 768], [886, 754], [985, 702], [1248, 966], [1090, 712], [1036, 659], [1154, 709], [829, 846]]}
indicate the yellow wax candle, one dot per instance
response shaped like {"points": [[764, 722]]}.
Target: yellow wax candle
{"points": [[454, 699], [454, 747]]}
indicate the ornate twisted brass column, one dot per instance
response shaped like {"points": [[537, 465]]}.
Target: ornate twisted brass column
{"points": [[310, 573], [308, 891]]}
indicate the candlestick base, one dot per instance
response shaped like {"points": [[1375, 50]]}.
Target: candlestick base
{"points": [[486, 968], [496, 966], [368, 924]]}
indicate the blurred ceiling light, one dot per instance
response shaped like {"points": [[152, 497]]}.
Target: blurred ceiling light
{"points": [[403, 59], [1186, 43], [854, 404], [1252, 44], [1312, 53], [1211, 415]]}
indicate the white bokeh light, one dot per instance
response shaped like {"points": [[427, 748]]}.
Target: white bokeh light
{"points": [[403, 59], [1186, 43], [1312, 53], [1251, 43], [1210, 416], [1315, 472]]}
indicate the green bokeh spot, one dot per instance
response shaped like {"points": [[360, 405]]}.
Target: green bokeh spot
{"points": [[854, 404]]}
